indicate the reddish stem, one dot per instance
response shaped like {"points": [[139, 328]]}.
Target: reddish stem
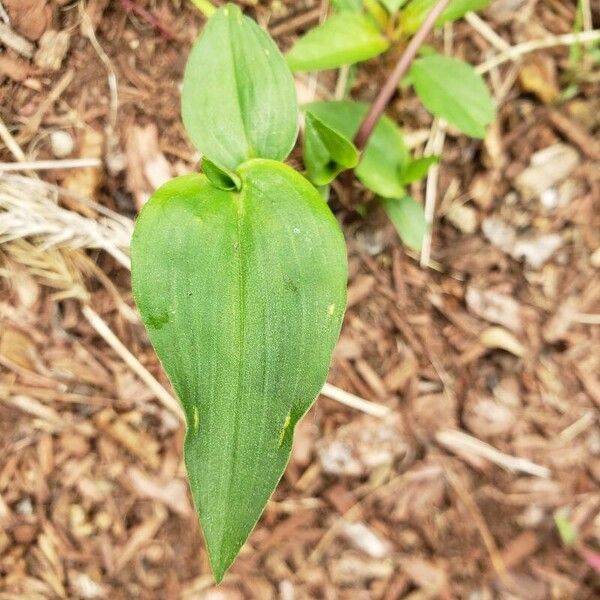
{"points": [[401, 68], [130, 5]]}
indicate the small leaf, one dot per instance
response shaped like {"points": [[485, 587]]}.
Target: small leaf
{"points": [[408, 218], [385, 156], [417, 168], [415, 13], [347, 5], [238, 99], [566, 530], [392, 6], [453, 90], [326, 151], [344, 38], [242, 294], [222, 178]]}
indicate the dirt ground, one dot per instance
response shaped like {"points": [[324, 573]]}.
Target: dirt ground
{"points": [[481, 479]]}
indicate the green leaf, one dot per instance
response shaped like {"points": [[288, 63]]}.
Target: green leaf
{"points": [[344, 38], [385, 157], [417, 168], [242, 295], [566, 529], [326, 151], [408, 218], [238, 99], [415, 13], [347, 5], [392, 6], [224, 179], [453, 90]]}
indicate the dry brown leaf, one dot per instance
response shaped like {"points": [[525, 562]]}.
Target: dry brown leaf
{"points": [[501, 339], [29, 17], [538, 76]]}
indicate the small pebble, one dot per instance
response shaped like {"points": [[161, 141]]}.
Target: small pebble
{"points": [[61, 143]]}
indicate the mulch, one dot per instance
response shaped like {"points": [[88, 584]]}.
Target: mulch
{"points": [[482, 482]]}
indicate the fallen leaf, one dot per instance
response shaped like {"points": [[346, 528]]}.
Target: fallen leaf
{"points": [[538, 76], [500, 338]]}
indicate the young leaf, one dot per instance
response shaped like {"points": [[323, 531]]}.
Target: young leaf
{"points": [[344, 38], [326, 151], [408, 218], [414, 14], [453, 90], [392, 6], [222, 178], [242, 294], [238, 99], [417, 168], [347, 5], [385, 156]]}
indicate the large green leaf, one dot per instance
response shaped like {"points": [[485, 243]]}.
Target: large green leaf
{"points": [[408, 218], [414, 13], [385, 156], [453, 90], [344, 38], [243, 295], [238, 100], [327, 152]]}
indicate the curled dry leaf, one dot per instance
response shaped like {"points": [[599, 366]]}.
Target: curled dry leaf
{"points": [[501, 339]]}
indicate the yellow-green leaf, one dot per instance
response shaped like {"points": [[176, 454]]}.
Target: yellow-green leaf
{"points": [[416, 11], [344, 38]]}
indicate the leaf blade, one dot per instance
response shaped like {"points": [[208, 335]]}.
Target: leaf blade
{"points": [[453, 90], [416, 11], [343, 39], [385, 155], [326, 151], [238, 99], [408, 218], [242, 295]]}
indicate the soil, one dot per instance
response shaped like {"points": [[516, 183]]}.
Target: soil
{"points": [[481, 482]]}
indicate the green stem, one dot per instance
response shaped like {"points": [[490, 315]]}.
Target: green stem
{"points": [[206, 7]]}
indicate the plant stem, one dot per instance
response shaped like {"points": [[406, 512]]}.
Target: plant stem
{"points": [[404, 62], [206, 7]]}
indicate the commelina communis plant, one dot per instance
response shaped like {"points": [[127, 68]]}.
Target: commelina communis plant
{"points": [[239, 272]]}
